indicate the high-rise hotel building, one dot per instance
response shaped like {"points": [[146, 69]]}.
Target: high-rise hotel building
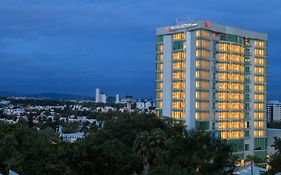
{"points": [[213, 77]]}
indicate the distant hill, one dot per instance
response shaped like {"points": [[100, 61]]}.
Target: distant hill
{"points": [[57, 96]]}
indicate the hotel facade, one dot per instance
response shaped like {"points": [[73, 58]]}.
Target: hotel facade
{"points": [[214, 77]]}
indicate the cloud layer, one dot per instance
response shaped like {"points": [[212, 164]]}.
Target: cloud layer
{"points": [[74, 46]]}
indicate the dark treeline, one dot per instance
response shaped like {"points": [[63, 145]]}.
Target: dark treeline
{"points": [[126, 145]]}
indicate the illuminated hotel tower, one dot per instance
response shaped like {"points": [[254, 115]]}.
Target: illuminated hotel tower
{"points": [[213, 77]]}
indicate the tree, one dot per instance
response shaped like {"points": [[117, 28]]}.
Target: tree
{"points": [[147, 144], [127, 144], [275, 159], [25, 150], [196, 153], [8, 149]]}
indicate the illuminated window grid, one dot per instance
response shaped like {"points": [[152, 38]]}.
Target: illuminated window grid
{"points": [[233, 48], [260, 44], [202, 95], [179, 78], [234, 58], [225, 125], [230, 70], [178, 104], [202, 105], [159, 77], [260, 61], [260, 124], [178, 94], [234, 77], [179, 75], [202, 53], [178, 115], [259, 106], [202, 63], [230, 96], [202, 74], [259, 97], [260, 88], [203, 34], [259, 133], [202, 43], [179, 65], [231, 106], [232, 134], [260, 52], [159, 67], [230, 86], [179, 55], [159, 95], [260, 79], [230, 102], [230, 116], [231, 67], [159, 52], [260, 70], [259, 117], [159, 85], [179, 36], [202, 115], [159, 47], [159, 57], [202, 84], [159, 104]]}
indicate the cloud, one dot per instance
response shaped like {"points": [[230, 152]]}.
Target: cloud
{"points": [[51, 45]]}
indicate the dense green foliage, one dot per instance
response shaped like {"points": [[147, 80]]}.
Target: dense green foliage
{"points": [[126, 145], [275, 159]]}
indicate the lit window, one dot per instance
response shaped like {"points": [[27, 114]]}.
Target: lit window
{"points": [[179, 36], [202, 116]]}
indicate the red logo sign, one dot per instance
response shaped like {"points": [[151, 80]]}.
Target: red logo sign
{"points": [[168, 28], [208, 24]]}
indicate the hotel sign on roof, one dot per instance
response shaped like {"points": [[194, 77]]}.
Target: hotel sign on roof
{"points": [[181, 26]]}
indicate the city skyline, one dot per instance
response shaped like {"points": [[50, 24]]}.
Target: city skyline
{"points": [[50, 46]]}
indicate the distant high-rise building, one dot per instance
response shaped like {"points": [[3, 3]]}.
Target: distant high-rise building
{"points": [[274, 111], [100, 97], [97, 95], [117, 99], [213, 77]]}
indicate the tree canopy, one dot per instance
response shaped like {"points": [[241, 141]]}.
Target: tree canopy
{"points": [[126, 145], [275, 159]]}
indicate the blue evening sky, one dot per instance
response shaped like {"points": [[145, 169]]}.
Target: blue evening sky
{"points": [[73, 46]]}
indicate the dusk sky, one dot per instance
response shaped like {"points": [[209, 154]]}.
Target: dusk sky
{"points": [[74, 46]]}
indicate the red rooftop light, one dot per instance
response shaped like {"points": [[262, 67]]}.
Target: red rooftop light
{"points": [[168, 28], [208, 24]]}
